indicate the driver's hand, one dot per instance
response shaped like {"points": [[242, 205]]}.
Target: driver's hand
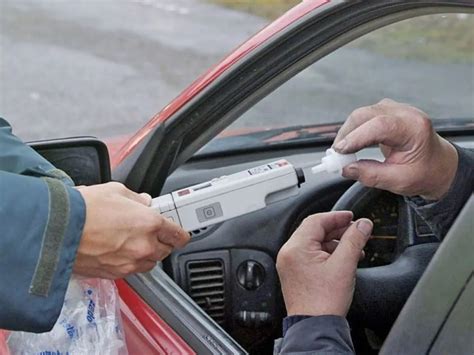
{"points": [[317, 271], [122, 234], [418, 161]]}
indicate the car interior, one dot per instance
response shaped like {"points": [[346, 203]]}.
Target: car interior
{"points": [[229, 269], [221, 292]]}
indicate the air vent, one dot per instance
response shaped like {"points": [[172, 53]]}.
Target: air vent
{"points": [[198, 232], [206, 286]]}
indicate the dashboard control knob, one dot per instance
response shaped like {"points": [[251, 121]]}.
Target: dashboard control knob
{"points": [[250, 275]]}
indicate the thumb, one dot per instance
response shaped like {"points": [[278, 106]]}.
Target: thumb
{"points": [[372, 173], [347, 253]]}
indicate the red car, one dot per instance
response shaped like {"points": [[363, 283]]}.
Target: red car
{"points": [[220, 294]]}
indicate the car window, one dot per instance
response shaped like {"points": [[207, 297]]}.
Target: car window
{"points": [[426, 61], [104, 68]]}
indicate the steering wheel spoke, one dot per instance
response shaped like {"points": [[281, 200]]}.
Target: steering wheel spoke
{"points": [[383, 288]]}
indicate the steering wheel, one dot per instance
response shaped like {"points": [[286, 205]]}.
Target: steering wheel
{"points": [[382, 291]]}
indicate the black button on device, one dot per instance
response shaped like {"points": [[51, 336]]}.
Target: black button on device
{"points": [[250, 275], [300, 176]]}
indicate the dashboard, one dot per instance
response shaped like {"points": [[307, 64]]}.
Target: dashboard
{"points": [[382, 247], [229, 269]]}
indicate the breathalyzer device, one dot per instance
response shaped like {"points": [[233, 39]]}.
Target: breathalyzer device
{"points": [[230, 196]]}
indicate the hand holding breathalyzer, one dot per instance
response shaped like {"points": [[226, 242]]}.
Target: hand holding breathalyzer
{"points": [[122, 235], [418, 161]]}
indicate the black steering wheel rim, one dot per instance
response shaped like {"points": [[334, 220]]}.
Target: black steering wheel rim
{"points": [[381, 291]]}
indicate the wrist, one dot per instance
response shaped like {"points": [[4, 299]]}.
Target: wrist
{"points": [[444, 164]]}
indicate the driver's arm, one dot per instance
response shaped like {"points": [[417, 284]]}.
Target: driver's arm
{"points": [[434, 175], [317, 268], [440, 215]]}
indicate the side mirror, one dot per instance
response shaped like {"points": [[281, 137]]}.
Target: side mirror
{"points": [[84, 159]]}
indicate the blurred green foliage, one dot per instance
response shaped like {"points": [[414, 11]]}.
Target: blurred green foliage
{"points": [[266, 8], [434, 38]]}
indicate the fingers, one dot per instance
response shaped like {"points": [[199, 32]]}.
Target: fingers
{"points": [[330, 246], [171, 234], [315, 228], [355, 119], [348, 252], [382, 129], [161, 251], [372, 173], [364, 114], [336, 234], [331, 241]]}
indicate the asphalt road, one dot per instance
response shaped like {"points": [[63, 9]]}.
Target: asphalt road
{"points": [[104, 67]]}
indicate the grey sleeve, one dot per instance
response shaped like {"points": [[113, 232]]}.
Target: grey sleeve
{"points": [[316, 335], [440, 215]]}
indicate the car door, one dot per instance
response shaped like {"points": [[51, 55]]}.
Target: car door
{"points": [[306, 34]]}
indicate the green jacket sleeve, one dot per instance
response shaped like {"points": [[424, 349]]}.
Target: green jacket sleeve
{"points": [[41, 223]]}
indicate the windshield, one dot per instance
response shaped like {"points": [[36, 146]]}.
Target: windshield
{"points": [[426, 61]]}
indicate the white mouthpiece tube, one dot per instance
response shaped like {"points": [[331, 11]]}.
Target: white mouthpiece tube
{"points": [[334, 162]]}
